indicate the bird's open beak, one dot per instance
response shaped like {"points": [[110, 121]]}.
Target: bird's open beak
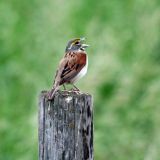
{"points": [[84, 45]]}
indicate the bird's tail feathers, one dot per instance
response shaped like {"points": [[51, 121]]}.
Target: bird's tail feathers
{"points": [[52, 92]]}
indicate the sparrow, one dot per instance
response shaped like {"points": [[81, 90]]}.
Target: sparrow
{"points": [[72, 66]]}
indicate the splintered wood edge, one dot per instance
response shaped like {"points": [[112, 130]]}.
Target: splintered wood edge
{"points": [[64, 93]]}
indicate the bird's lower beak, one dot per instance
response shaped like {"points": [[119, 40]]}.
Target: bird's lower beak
{"points": [[85, 46]]}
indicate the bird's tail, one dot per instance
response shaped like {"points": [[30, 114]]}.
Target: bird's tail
{"points": [[52, 92]]}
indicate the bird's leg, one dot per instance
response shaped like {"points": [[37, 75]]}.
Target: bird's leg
{"points": [[65, 90], [64, 87], [76, 89]]}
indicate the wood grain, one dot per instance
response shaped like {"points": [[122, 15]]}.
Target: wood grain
{"points": [[66, 127]]}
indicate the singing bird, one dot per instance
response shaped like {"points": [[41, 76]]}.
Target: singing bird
{"points": [[72, 67]]}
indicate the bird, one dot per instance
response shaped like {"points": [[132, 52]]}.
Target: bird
{"points": [[72, 67]]}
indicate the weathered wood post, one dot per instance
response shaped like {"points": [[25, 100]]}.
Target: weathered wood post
{"points": [[66, 127]]}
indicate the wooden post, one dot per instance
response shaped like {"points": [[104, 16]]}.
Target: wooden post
{"points": [[66, 127]]}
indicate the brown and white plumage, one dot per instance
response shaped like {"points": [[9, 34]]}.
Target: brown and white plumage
{"points": [[73, 65]]}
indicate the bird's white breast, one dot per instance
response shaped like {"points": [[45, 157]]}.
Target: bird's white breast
{"points": [[82, 72]]}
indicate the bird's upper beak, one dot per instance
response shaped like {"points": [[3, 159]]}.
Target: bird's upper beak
{"points": [[82, 39]]}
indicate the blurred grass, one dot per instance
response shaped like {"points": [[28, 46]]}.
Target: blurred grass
{"points": [[123, 75]]}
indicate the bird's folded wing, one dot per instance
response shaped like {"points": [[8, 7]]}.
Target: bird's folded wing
{"points": [[70, 66]]}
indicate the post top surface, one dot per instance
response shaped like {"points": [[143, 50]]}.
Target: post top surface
{"points": [[66, 93]]}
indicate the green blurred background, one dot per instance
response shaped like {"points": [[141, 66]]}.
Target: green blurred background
{"points": [[123, 75]]}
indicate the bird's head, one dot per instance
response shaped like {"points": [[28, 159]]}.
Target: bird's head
{"points": [[76, 44]]}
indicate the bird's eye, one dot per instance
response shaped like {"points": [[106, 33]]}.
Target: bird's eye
{"points": [[77, 42]]}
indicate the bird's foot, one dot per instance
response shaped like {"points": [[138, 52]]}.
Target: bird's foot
{"points": [[76, 90]]}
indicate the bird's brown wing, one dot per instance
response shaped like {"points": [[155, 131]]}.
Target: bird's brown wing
{"points": [[70, 66]]}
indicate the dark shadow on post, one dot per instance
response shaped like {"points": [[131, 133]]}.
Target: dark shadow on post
{"points": [[66, 127]]}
